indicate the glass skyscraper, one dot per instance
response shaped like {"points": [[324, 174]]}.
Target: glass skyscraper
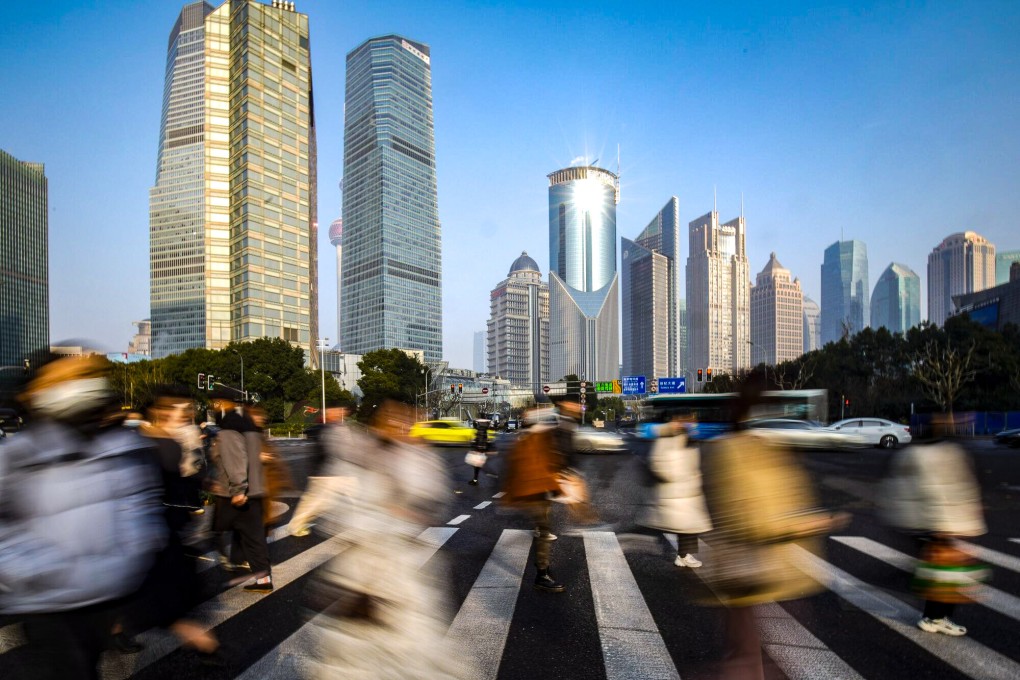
{"points": [[232, 215], [845, 300], [392, 257], [24, 264], [896, 300], [584, 324]]}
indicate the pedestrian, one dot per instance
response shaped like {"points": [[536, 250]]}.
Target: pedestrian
{"points": [[277, 476], [932, 493], [239, 487], [81, 520], [676, 503], [322, 480], [478, 455]]}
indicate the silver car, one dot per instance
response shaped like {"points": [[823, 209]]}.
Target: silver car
{"points": [[598, 441], [803, 434], [874, 431]]}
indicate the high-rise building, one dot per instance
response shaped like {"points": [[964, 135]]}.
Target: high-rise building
{"points": [[584, 311], [718, 295], [896, 300], [777, 315], [649, 283], [845, 309], [24, 263], [1003, 260], [812, 325], [232, 216], [518, 326], [336, 238], [479, 362], [963, 263], [392, 260]]}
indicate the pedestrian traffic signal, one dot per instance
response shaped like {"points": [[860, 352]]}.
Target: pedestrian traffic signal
{"points": [[708, 375], [699, 375], [201, 381], [209, 382]]}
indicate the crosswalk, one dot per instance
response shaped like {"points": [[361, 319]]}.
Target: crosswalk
{"points": [[618, 590]]}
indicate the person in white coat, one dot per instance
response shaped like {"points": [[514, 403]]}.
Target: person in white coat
{"points": [[676, 503]]}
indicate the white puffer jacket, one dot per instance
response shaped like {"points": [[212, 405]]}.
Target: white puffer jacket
{"points": [[676, 503]]}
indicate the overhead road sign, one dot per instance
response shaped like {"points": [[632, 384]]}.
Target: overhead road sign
{"points": [[673, 385], [633, 384]]}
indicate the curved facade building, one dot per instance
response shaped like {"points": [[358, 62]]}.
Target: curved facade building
{"points": [[896, 300], [845, 301], [584, 303]]}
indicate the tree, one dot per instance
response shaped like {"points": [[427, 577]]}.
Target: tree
{"points": [[389, 374], [943, 371]]}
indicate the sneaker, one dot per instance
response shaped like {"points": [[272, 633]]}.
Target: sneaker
{"points": [[230, 566], [260, 585], [302, 532], [549, 537], [687, 560], [943, 625], [545, 582]]}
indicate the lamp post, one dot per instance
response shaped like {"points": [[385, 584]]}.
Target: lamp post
{"points": [[322, 367], [241, 357]]}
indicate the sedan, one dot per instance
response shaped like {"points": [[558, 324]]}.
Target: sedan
{"points": [[598, 441], [874, 431], [803, 434], [449, 432], [1010, 438]]}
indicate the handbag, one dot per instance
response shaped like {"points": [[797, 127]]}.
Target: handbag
{"points": [[475, 459], [572, 488], [947, 574]]}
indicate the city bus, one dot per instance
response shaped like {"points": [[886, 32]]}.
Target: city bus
{"points": [[714, 412]]}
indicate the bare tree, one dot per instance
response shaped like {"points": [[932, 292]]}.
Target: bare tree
{"points": [[943, 371]]}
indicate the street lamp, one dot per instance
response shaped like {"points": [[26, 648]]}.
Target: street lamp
{"points": [[322, 367], [239, 356]]}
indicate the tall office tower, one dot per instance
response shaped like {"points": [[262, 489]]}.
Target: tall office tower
{"points": [[232, 215], [518, 326], [649, 279], [584, 307], [479, 361], [812, 325], [392, 271], [844, 290], [777, 315], [1003, 260], [336, 237], [24, 263], [896, 300], [963, 263], [718, 295]]}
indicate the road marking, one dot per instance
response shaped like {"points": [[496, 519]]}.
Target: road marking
{"points": [[962, 653], [503, 493], [291, 658], [793, 648], [994, 599], [483, 622], [458, 519], [215, 611], [212, 558], [999, 559], [1014, 540], [632, 647], [11, 637], [483, 505]]}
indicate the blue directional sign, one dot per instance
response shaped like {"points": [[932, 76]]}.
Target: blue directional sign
{"points": [[673, 385], [633, 384]]}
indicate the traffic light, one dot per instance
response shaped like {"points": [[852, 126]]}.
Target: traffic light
{"points": [[209, 382], [453, 389], [846, 402], [460, 388], [700, 375], [201, 381], [708, 375]]}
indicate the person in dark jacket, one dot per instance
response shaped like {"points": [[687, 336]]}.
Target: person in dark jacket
{"points": [[81, 520]]}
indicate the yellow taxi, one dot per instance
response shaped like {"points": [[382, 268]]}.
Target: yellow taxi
{"points": [[451, 432]]}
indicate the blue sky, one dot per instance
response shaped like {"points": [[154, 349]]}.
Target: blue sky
{"points": [[893, 123]]}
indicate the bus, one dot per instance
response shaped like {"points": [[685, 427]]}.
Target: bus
{"points": [[713, 413]]}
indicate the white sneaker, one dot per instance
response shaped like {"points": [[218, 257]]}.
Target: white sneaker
{"points": [[687, 560], [943, 625], [538, 534]]}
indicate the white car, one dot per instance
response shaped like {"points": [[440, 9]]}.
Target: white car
{"points": [[874, 431], [803, 434], [598, 441]]}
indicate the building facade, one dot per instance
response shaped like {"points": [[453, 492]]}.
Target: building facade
{"points": [[517, 334], [777, 316], [584, 307], [336, 239], [845, 297], [479, 358], [392, 259], [963, 263], [1003, 261], [649, 286], [718, 295], [896, 300], [812, 325], [24, 263], [232, 214]]}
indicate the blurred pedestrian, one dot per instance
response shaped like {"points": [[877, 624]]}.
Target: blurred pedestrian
{"points": [[478, 455], [81, 519], [318, 495], [932, 493], [278, 479], [676, 503]]}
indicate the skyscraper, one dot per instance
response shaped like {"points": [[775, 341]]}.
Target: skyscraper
{"points": [[479, 361], [777, 315], [718, 295], [392, 260], [649, 282], [24, 262], [583, 290], [844, 290], [518, 327], [896, 300], [336, 237], [812, 325], [232, 215], [963, 263], [1003, 260]]}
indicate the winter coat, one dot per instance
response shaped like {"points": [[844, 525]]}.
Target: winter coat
{"points": [[931, 489], [676, 502], [238, 466], [81, 519], [532, 465]]}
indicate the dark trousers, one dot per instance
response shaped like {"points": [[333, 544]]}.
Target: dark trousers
{"points": [[66, 645], [250, 532], [938, 610]]}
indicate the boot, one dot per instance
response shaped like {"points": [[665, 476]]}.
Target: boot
{"points": [[545, 582]]}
